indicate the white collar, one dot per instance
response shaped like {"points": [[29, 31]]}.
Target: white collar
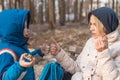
{"points": [[113, 36]]}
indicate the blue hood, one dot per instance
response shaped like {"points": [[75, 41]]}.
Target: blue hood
{"points": [[12, 26]]}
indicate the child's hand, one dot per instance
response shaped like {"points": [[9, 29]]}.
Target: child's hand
{"points": [[45, 48], [25, 64], [101, 43], [54, 47]]}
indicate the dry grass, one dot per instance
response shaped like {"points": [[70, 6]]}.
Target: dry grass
{"points": [[65, 36]]}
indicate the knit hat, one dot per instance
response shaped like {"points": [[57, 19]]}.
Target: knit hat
{"points": [[107, 16]]}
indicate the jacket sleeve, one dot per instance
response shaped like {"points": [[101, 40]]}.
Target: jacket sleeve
{"points": [[11, 70], [37, 51], [14, 72], [109, 70], [68, 63]]}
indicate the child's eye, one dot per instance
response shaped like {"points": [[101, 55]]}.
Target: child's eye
{"points": [[94, 24], [90, 24]]}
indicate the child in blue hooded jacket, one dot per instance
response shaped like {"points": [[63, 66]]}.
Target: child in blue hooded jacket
{"points": [[13, 46]]}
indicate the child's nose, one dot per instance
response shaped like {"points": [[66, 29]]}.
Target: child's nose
{"points": [[92, 28]]}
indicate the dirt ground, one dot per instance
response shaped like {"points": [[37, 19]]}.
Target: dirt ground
{"points": [[72, 34]]}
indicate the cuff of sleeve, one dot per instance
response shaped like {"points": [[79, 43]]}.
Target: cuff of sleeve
{"points": [[60, 55], [20, 67], [40, 52]]}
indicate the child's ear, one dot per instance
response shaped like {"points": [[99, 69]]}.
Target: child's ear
{"points": [[25, 25]]}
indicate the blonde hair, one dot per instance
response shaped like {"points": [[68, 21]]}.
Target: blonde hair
{"points": [[100, 27]]}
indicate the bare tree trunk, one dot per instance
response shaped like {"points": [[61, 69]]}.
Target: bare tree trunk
{"points": [[97, 3], [46, 11], [13, 3], [26, 4], [51, 14], [16, 3], [91, 4], [41, 12], [117, 7], [67, 10], [108, 3], [62, 12], [76, 10], [113, 4], [10, 5], [21, 4], [32, 11], [81, 7], [2, 2]]}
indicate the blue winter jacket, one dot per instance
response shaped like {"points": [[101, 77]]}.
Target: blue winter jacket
{"points": [[52, 71], [11, 37]]}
